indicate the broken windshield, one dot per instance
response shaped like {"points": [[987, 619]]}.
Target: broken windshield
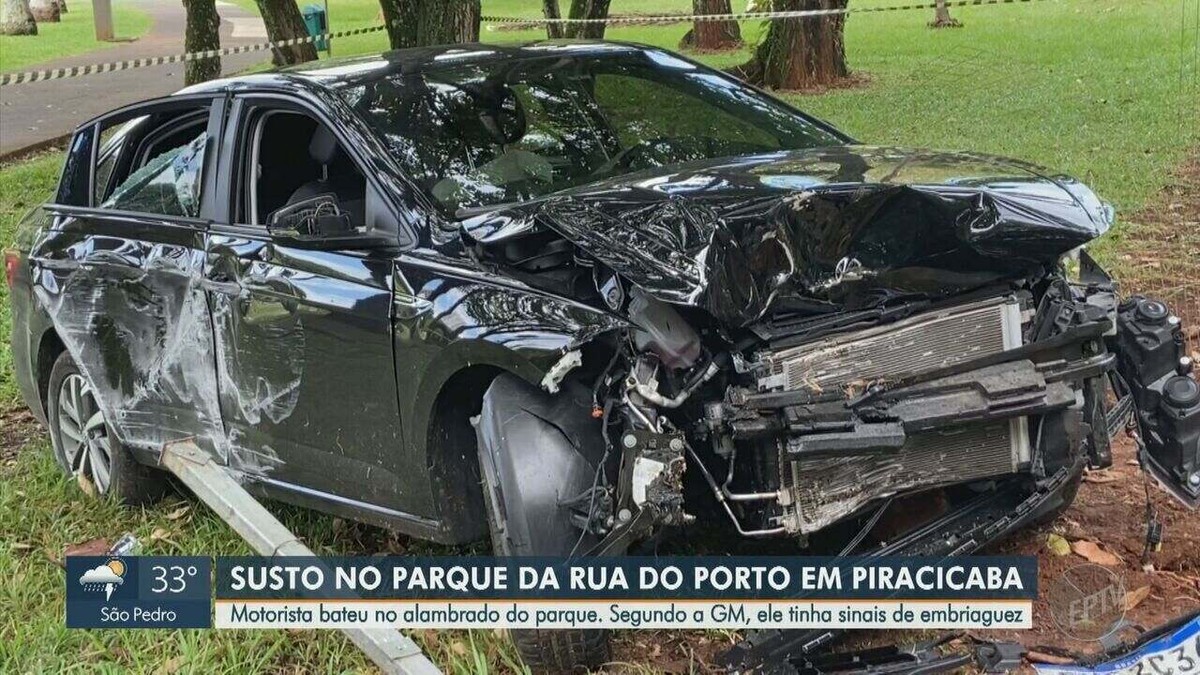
{"points": [[491, 133]]}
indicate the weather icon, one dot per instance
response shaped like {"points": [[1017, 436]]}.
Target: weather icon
{"points": [[105, 576]]}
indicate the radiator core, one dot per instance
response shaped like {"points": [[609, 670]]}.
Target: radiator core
{"points": [[820, 491], [921, 343]]}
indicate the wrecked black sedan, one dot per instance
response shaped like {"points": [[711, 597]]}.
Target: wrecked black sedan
{"points": [[574, 296]]}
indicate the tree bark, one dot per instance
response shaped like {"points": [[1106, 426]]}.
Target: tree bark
{"points": [[16, 19], [283, 22], [417, 23], [712, 35], [800, 53], [202, 33], [550, 11], [942, 18], [587, 9], [45, 11], [62, 6]]}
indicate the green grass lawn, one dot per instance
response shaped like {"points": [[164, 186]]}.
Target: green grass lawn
{"points": [[75, 34], [1090, 87], [45, 513]]}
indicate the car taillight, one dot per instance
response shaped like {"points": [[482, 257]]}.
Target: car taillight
{"points": [[10, 266]]}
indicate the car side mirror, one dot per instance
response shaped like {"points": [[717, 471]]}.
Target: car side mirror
{"points": [[319, 223]]}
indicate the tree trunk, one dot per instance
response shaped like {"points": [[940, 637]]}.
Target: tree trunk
{"points": [[713, 35], [416, 23], [400, 18], [16, 19], [283, 22], [45, 11], [550, 11], [587, 9], [202, 33], [62, 6], [942, 18], [800, 53]]}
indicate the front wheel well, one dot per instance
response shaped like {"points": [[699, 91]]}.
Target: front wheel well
{"points": [[453, 452]]}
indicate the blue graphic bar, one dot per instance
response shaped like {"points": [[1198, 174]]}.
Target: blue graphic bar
{"points": [[706, 578]]}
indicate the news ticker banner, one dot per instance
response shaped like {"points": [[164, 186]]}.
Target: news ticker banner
{"points": [[618, 593]]}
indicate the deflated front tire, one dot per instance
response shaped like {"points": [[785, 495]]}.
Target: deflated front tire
{"points": [[535, 453]]}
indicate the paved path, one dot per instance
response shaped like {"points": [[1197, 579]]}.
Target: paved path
{"points": [[37, 112]]}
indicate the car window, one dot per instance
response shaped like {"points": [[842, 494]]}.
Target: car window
{"points": [[490, 133], [292, 164], [167, 184], [112, 141], [643, 112]]}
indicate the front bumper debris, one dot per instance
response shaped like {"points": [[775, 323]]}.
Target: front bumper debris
{"points": [[985, 519]]}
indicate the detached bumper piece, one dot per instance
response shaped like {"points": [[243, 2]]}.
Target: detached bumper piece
{"points": [[1171, 648], [988, 517], [921, 658]]}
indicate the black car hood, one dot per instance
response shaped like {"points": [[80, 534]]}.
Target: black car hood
{"points": [[825, 229]]}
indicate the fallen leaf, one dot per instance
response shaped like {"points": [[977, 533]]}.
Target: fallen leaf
{"points": [[1057, 545], [1100, 477], [1136, 596], [458, 648], [86, 484], [1092, 552], [179, 512], [97, 546], [169, 666]]}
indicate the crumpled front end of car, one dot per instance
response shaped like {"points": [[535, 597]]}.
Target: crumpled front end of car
{"points": [[803, 350]]}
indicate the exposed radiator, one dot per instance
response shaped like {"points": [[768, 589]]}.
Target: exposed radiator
{"points": [[819, 491], [917, 344]]}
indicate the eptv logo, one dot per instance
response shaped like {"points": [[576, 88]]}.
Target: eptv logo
{"points": [[1087, 602]]}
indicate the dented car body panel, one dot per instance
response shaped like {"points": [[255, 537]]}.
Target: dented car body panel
{"points": [[796, 328], [825, 229]]}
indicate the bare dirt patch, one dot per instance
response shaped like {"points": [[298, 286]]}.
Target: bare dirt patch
{"points": [[17, 428], [1110, 511]]}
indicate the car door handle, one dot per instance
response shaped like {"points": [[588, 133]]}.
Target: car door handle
{"points": [[230, 288]]}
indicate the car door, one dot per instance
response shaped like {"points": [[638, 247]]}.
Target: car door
{"points": [[302, 329], [118, 271]]}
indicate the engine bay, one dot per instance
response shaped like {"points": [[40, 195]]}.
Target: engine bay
{"points": [[794, 427]]}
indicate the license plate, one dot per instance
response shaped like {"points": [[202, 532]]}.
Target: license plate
{"points": [[1177, 653]]}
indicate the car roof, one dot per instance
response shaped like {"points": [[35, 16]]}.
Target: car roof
{"points": [[338, 72]]}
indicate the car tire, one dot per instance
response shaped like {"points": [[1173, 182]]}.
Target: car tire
{"points": [[84, 444], [552, 651], [543, 651]]}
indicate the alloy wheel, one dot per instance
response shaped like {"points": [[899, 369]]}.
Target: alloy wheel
{"points": [[82, 433]]}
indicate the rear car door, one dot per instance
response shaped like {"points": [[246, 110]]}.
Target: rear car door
{"points": [[302, 328], [118, 270]]}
